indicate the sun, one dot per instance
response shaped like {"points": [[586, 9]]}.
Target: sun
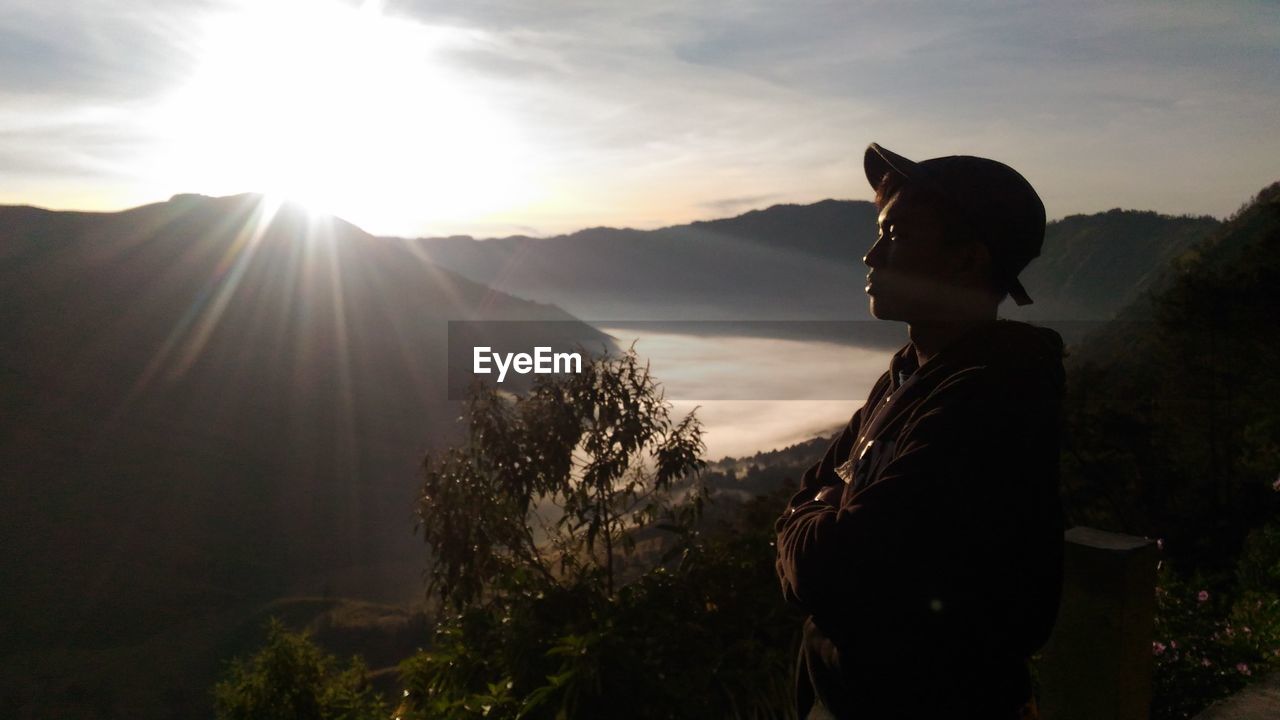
{"points": [[344, 109]]}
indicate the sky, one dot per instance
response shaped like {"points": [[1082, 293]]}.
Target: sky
{"points": [[417, 118]]}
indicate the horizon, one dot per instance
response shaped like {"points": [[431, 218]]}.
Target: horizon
{"points": [[490, 121], [266, 199]]}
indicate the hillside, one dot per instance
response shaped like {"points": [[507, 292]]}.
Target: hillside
{"points": [[209, 403], [1093, 265], [213, 403], [799, 262], [1173, 419]]}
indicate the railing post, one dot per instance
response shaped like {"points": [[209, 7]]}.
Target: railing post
{"points": [[1097, 664]]}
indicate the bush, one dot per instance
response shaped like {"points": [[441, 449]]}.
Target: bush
{"points": [[290, 678], [626, 607], [705, 638], [1210, 641]]}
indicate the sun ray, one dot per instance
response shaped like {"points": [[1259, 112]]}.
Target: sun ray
{"points": [[192, 330]]}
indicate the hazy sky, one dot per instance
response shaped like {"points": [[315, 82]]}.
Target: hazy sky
{"points": [[418, 117]]}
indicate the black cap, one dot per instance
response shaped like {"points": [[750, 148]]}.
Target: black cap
{"points": [[993, 197]]}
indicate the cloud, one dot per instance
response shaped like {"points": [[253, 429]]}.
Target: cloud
{"points": [[648, 114], [734, 204], [95, 50], [776, 99]]}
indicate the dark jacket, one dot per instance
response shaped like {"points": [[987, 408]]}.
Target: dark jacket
{"points": [[941, 571]]}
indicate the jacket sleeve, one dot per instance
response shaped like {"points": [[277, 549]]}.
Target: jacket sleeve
{"points": [[952, 484], [820, 474]]}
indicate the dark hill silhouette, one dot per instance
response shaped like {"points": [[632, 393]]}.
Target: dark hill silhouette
{"points": [[207, 405], [785, 263], [799, 262], [198, 417], [1172, 408], [1094, 265]]}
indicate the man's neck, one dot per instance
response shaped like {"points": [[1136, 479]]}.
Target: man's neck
{"points": [[929, 338]]}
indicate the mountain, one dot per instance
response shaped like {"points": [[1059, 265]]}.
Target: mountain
{"points": [[1091, 266], [211, 404], [1173, 423], [208, 403], [799, 262], [785, 263]]}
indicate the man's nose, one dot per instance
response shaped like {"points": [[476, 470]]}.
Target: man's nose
{"points": [[874, 256]]}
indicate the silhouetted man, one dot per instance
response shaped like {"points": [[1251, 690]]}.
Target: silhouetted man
{"points": [[926, 545]]}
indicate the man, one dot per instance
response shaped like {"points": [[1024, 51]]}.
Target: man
{"points": [[926, 545]]}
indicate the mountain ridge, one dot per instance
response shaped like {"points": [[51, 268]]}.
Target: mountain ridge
{"points": [[810, 254]]}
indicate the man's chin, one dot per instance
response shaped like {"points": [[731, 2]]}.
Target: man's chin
{"points": [[880, 310]]}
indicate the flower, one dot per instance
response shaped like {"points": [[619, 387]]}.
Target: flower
{"points": [[1202, 595], [1160, 541], [1276, 485], [1205, 662], [1243, 668], [1157, 648], [1173, 644]]}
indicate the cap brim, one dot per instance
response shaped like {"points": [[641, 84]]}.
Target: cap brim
{"points": [[878, 162], [1019, 293]]}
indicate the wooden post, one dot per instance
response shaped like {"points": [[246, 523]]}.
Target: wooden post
{"points": [[1097, 664]]}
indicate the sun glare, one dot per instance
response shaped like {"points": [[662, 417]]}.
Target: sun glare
{"points": [[345, 110]]}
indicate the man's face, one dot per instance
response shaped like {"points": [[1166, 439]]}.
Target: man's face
{"points": [[912, 268]]}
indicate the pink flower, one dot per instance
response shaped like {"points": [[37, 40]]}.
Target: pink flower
{"points": [[1205, 662], [1173, 644], [1202, 595], [1157, 648], [1276, 485], [1160, 541], [1243, 668]]}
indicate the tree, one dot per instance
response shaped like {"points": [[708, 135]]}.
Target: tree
{"points": [[290, 678], [551, 485], [532, 522]]}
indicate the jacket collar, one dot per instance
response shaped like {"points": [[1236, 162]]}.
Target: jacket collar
{"points": [[1000, 342]]}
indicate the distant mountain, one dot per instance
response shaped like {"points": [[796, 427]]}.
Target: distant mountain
{"points": [[762, 473], [780, 264], [785, 263], [799, 262], [1094, 265], [211, 401]]}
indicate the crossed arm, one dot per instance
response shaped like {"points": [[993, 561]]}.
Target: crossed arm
{"points": [[944, 487]]}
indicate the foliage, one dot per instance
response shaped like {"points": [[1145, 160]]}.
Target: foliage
{"points": [[1173, 430], [686, 628], [582, 460], [290, 678], [703, 638], [1209, 643]]}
